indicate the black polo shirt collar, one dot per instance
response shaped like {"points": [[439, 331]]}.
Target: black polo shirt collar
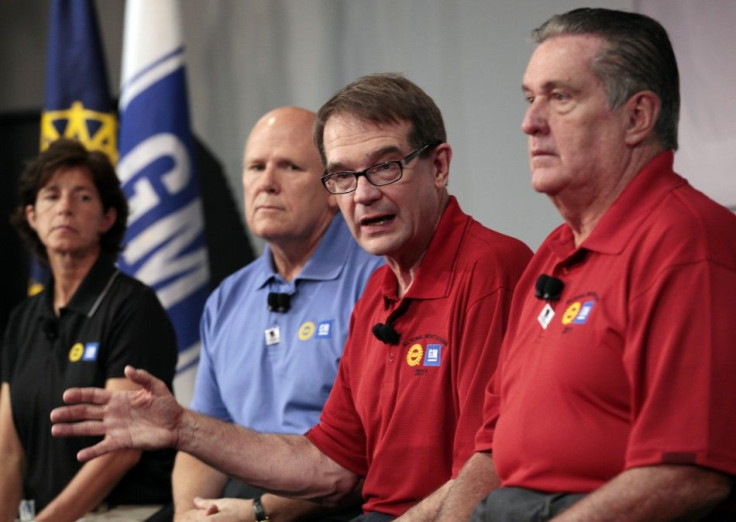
{"points": [[86, 300]]}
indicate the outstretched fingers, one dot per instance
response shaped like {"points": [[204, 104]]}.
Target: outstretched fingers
{"points": [[67, 423], [71, 417], [84, 404], [145, 418], [86, 395], [141, 377], [103, 447], [149, 383]]}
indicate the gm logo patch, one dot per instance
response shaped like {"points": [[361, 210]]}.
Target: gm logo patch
{"points": [[577, 312], [429, 355], [579, 309], [90, 351], [433, 355], [84, 352], [324, 329]]}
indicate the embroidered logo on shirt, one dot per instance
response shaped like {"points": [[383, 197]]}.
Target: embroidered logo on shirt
{"points": [[577, 312], [306, 331], [432, 355], [76, 352], [324, 329], [90, 351], [414, 355], [84, 352], [424, 351]]}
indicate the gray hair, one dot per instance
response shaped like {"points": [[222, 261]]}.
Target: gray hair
{"points": [[637, 56]]}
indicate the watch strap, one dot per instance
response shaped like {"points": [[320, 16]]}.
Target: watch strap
{"points": [[259, 511]]}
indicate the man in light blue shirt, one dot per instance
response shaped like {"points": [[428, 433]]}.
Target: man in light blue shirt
{"points": [[273, 332]]}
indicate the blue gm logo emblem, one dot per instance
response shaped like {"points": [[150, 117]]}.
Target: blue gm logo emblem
{"points": [[324, 330], [584, 312], [433, 355], [90, 351], [577, 313]]}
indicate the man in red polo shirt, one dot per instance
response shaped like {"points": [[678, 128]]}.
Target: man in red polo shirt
{"points": [[401, 418], [614, 397]]}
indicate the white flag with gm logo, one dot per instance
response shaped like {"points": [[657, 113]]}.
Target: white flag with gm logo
{"points": [[165, 244]]}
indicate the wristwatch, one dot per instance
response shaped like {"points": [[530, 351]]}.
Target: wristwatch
{"points": [[258, 510]]}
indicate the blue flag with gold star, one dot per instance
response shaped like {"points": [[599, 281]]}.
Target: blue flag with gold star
{"points": [[165, 243], [77, 101]]}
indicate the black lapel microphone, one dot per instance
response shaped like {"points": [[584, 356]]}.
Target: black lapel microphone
{"points": [[386, 333], [49, 329], [280, 303], [548, 288]]}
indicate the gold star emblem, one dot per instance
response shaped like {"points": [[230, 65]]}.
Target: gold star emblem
{"points": [[95, 130]]}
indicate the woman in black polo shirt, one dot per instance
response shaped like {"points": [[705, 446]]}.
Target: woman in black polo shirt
{"points": [[81, 330]]}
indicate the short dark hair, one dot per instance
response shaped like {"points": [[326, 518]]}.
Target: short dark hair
{"points": [[637, 56], [385, 98], [62, 154]]}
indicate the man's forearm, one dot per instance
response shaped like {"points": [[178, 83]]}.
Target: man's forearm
{"points": [[474, 482], [285, 464], [429, 507], [663, 492], [151, 418]]}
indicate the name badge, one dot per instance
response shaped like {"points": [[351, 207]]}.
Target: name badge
{"points": [[545, 317], [273, 336]]}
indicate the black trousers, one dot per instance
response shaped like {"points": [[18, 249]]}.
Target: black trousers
{"points": [[522, 505]]}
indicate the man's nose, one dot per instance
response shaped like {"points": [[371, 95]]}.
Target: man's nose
{"points": [[535, 120], [365, 192], [269, 179]]}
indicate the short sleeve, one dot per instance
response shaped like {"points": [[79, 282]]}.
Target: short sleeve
{"points": [[141, 335]]}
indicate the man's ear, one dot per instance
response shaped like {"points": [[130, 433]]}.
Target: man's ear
{"points": [[642, 110], [442, 158], [332, 203]]}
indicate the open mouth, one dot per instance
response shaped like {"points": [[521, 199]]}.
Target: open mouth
{"points": [[377, 220]]}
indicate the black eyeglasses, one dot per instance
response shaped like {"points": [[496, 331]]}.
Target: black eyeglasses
{"points": [[378, 175]]}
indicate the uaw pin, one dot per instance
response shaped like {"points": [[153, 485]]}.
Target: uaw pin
{"points": [[273, 336]]}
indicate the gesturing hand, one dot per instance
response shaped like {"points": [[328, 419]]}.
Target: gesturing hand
{"points": [[148, 418]]}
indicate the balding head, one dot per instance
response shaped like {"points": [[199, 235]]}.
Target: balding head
{"points": [[284, 199], [292, 122]]}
